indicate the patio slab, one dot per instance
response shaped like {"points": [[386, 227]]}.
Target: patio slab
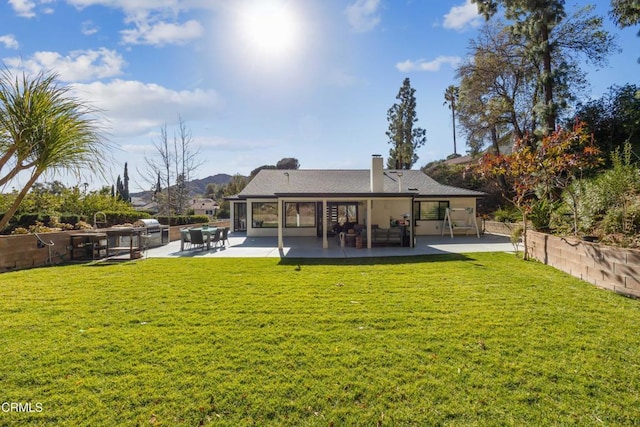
{"points": [[241, 246]]}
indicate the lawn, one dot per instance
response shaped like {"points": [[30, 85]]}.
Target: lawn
{"points": [[480, 339]]}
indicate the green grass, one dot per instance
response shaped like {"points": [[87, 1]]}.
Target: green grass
{"points": [[482, 339]]}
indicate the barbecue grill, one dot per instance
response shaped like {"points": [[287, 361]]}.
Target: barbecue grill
{"points": [[156, 234]]}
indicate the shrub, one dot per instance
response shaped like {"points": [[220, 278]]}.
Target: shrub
{"points": [[182, 219], [124, 217], [82, 225], [540, 215], [515, 237], [561, 219], [223, 214], [72, 219], [508, 214]]}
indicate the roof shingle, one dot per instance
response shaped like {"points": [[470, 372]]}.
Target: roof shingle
{"points": [[271, 182]]}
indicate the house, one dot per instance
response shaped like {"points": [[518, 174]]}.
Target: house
{"points": [[377, 203], [142, 204], [203, 206]]}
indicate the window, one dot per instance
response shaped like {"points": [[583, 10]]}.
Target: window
{"points": [[300, 214], [431, 211], [340, 213], [264, 214]]}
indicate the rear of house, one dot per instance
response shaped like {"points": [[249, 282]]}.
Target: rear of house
{"points": [[378, 204]]}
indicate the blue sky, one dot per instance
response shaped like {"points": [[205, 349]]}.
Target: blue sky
{"points": [[259, 80]]}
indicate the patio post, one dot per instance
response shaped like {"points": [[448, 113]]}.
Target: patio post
{"points": [[280, 241], [325, 241], [369, 209]]}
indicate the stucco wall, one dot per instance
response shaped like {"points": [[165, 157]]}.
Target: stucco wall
{"points": [[383, 211], [616, 269], [434, 228]]}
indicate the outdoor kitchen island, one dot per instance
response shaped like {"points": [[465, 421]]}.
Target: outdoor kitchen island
{"points": [[125, 241], [133, 240]]}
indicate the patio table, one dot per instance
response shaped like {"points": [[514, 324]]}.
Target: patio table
{"points": [[207, 233]]}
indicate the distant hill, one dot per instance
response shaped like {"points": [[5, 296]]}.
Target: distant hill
{"points": [[197, 186]]}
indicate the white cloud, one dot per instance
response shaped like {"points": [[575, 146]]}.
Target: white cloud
{"points": [[79, 65], [89, 28], [423, 65], [141, 9], [134, 108], [9, 41], [462, 16], [163, 33], [363, 15], [220, 143], [24, 8]]}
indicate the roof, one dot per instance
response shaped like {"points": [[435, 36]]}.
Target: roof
{"points": [[345, 182]]}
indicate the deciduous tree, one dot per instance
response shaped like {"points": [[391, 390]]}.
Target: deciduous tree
{"points": [[560, 157], [172, 167], [625, 12], [614, 118], [497, 89], [551, 45]]}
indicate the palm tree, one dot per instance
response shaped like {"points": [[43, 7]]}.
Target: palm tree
{"points": [[44, 130], [451, 98]]}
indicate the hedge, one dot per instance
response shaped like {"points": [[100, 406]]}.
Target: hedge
{"points": [[182, 219]]}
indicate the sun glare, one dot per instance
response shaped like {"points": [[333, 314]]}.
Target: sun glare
{"points": [[269, 28]]}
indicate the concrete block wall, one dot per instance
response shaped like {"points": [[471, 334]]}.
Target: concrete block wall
{"points": [[497, 227], [174, 231], [22, 251], [616, 269]]}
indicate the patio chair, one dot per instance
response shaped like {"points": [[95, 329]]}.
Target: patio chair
{"points": [[225, 236], [197, 238], [216, 237], [185, 237]]}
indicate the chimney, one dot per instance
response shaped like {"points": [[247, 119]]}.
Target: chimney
{"points": [[376, 178]]}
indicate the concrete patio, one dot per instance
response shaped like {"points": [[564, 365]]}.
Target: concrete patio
{"points": [[241, 246]]}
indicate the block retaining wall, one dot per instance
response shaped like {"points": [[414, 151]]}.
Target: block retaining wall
{"points": [[21, 251], [497, 227], [612, 268]]}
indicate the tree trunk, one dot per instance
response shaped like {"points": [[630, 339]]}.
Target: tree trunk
{"points": [[16, 203], [525, 254], [550, 115], [453, 118]]}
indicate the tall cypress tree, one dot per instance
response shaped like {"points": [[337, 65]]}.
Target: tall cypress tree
{"points": [[126, 196], [122, 186], [404, 138]]}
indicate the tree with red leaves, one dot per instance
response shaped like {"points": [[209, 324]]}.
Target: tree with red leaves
{"points": [[532, 171]]}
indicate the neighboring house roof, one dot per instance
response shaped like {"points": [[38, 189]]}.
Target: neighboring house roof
{"points": [[463, 160], [203, 204], [341, 182]]}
